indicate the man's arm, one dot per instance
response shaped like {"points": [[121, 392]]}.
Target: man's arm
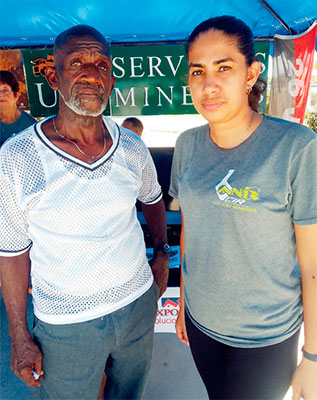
{"points": [[25, 355], [155, 217], [304, 380]]}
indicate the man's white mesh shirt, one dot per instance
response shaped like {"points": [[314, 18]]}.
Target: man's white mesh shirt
{"points": [[79, 220]]}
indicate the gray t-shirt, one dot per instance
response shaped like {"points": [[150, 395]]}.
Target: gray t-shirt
{"points": [[239, 206]]}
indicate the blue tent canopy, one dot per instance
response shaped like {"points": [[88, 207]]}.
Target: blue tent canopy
{"points": [[37, 23]]}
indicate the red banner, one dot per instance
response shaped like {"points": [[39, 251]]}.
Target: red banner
{"points": [[292, 69]]}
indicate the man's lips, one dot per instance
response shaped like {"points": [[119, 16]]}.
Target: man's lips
{"points": [[88, 90]]}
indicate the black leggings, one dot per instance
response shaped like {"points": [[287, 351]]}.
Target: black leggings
{"points": [[243, 373]]}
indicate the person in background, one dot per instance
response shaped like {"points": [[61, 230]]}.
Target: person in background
{"points": [[246, 185], [134, 124], [68, 188], [12, 120]]}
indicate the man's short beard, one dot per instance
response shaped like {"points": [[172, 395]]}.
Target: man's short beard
{"points": [[75, 105]]}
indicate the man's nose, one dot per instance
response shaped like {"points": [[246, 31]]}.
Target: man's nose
{"points": [[91, 73]]}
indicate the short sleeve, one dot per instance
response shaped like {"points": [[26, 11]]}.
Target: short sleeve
{"points": [[14, 239], [173, 189], [303, 180], [150, 191]]}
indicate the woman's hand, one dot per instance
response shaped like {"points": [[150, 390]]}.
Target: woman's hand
{"points": [[304, 381], [181, 327]]}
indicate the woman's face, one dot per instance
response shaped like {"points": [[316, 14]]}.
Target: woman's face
{"points": [[218, 76], [7, 97]]}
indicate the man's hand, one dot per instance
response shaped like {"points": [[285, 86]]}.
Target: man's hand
{"points": [[155, 217], [26, 357], [159, 265], [304, 382]]}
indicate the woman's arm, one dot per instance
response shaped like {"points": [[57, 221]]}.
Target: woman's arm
{"points": [[180, 323], [305, 378]]}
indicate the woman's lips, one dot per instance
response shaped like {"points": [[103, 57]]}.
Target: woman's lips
{"points": [[211, 105]]}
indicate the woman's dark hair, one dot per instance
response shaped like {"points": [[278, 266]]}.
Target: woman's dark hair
{"points": [[8, 78], [233, 27]]}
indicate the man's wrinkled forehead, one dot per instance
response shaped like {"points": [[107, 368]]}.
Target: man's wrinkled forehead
{"points": [[82, 43], [81, 37]]}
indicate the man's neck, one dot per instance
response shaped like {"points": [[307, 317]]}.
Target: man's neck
{"points": [[84, 129]]}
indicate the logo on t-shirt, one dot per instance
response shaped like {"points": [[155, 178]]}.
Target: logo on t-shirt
{"points": [[236, 198]]}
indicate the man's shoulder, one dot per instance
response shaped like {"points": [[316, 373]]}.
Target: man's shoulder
{"points": [[19, 140], [131, 140]]}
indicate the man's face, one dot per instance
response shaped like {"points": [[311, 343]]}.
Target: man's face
{"points": [[83, 72], [7, 97]]}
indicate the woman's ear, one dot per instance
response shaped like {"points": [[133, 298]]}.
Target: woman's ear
{"points": [[16, 96], [51, 77], [253, 73]]}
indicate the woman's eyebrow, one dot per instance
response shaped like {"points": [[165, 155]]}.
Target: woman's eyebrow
{"points": [[216, 62], [226, 59], [196, 65]]}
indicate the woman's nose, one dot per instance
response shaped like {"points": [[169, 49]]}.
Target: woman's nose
{"points": [[211, 84]]}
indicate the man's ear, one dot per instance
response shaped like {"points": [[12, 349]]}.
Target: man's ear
{"points": [[112, 84], [51, 77]]}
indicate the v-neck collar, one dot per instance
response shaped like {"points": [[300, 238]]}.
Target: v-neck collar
{"points": [[113, 130]]}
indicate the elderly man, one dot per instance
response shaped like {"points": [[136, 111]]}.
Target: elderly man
{"points": [[68, 187]]}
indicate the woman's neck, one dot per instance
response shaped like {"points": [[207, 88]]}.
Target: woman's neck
{"points": [[234, 132], [9, 115]]}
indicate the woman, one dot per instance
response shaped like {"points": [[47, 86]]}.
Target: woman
{"points": [[246, 183], [12, 120]]}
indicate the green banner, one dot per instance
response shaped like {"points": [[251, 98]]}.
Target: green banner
{"points": [[150, 80], [43, 101], [262, 50]]}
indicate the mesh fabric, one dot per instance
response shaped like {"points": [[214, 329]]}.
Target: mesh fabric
{"points": [[87, 249]]}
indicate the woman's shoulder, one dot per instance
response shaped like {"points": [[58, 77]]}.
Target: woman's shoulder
{"points": [[28, 116], [192, 135], [289, 130]]}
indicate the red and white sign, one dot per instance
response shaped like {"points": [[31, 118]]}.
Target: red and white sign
{"points": [[168, 309], [292, 69]]}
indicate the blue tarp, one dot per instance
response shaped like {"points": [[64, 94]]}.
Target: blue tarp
{"points": [[37, 22]]}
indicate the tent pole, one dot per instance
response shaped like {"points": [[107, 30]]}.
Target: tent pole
{"points": [[276, 16]]}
